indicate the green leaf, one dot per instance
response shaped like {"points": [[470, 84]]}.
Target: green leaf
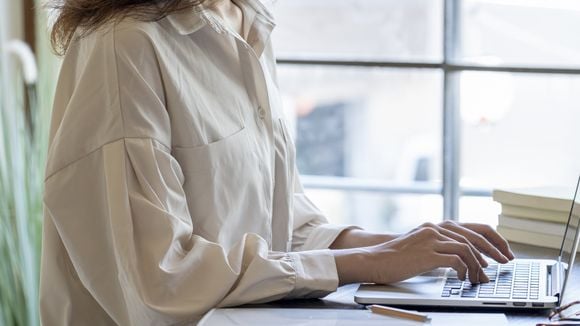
{"points": [[22, 161]]}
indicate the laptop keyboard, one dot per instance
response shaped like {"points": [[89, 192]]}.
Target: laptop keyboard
{"points": [[506, 281]]}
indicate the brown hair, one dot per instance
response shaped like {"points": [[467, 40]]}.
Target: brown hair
{"points": [[91, 14]]}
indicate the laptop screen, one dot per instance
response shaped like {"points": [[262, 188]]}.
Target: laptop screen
{"points": [[570, 241]]}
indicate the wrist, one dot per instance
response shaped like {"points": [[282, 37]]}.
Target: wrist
{"points": [[379, 238], [351, 265]]}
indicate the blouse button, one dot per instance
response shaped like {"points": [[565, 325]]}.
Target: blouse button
{"points": [[261, 112]]}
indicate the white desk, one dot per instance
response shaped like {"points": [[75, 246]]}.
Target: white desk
{"points": [[343, 299], [341, 317]]}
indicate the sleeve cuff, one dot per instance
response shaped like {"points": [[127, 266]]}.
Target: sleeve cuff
{"points": [[316, 274], [324, 235]]}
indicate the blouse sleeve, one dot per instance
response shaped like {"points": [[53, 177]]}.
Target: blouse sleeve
{"points": [[122, 216], [311, 228], [121, 212]]}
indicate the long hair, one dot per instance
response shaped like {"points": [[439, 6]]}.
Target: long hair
{"points": [[89, 15]]}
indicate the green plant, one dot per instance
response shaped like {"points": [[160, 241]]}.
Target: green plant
{"points": [[23, 141], [21, 155]]}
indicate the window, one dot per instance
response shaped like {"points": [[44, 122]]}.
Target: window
{"points": [[412, 111]]}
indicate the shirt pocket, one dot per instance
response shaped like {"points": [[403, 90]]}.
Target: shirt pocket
{"points": [[222, 184], [220, 153]]}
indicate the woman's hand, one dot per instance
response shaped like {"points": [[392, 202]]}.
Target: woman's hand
{"points": [[449, 244]]}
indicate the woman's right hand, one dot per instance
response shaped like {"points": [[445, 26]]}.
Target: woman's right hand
{"points": [[417, 252]]}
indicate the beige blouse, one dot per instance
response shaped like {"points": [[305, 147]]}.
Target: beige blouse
{"points": [[171, 185]]}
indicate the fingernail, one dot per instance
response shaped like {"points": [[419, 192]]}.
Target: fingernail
{"points": [[484, 264], [484, 278]]}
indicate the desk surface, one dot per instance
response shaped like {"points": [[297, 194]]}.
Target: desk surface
{"points": [[344, 297]]}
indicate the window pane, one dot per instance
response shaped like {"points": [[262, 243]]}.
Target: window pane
{"points": [[365, 122], [378, 212], [541, 32], [359, 29], [519, 129], [478, 210]]}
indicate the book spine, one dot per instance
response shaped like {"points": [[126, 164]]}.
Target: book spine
{"points": [[536, 226], [525, 200], [531, 238], [535, 214]]}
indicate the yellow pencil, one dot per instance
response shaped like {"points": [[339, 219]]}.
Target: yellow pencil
{"points": [[400, 313]]}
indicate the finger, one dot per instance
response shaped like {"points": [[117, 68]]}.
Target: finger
{"points": [[480, 242], [452, 261], [490, 234], [460, 238], [475, 272]]}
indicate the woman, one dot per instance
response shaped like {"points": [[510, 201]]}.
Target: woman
{"points": [[171, 185]]}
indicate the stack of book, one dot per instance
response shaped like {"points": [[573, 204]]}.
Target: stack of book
{"points": [[535, 216]]}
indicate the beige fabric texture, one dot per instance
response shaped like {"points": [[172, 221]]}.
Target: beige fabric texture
{"points": [[171, 185]]}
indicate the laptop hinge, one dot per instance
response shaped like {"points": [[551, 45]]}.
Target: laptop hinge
{"points": [[555, 278]]}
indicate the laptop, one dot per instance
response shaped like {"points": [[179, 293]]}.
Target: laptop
{"points": [[519, 284]]}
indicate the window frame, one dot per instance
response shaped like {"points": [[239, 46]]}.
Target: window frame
{"points": [[451, 68]]}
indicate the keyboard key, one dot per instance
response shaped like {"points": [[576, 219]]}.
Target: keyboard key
{"points": [[515, 280]]}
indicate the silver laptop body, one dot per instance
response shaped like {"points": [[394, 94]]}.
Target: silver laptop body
{"points": [[521, 283]]}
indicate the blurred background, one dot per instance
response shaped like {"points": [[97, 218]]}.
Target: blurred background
{"points": [[28, 72], [403, 112], [413, 111]]}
